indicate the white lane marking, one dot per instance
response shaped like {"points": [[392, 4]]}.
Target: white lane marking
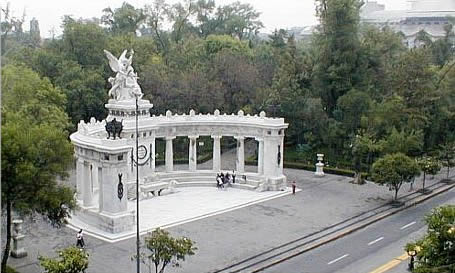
{"points": [[337, 259], [408, 225], [375, 241]]}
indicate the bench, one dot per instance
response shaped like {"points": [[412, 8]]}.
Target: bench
{"points": [[152, 187]]}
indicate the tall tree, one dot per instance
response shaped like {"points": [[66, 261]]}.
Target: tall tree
{"points": [[238, 20], [35, 149], [84, 42], [393, 170], [156, 16], [126, 19], [338, 68], [165, 249], [428, 165], [9, 25]]}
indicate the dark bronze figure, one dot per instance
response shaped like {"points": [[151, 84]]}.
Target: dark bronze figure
{"points": [[114, 128]]}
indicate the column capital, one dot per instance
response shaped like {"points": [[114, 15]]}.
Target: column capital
{"points": [[193, 136], [239, 137], [80, 160], [259, 139], [216, 136], [169, 137]]}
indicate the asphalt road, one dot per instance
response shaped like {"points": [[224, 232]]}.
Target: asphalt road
{"points": [[370, 248]]}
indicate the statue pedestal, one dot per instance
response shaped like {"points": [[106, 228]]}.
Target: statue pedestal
{"points": [[126, 109], [18, 249], [319, 170]]}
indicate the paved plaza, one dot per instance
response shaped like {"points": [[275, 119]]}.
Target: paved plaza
{"points": [[182, 206], [249, 223]]}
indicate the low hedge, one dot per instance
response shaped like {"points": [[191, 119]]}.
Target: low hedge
{"points": [[311, 168], [290, 165]]}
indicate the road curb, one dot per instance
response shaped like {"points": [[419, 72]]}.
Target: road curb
{"points": [[422, 199]]}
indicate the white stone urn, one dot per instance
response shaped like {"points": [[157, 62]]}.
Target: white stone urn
{"points": [[320, 166], [18, 247]]}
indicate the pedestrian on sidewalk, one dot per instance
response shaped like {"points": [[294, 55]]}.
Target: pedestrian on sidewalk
{"points": [[80, 239], [293, 187]]}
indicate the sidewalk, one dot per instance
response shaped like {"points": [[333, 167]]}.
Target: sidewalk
{"points": [[226, 238]]}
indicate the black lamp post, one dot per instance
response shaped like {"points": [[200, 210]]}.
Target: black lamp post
{"points": [[138, 263], [412, 253]]}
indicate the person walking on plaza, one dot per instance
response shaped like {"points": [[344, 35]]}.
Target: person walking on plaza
{"points": [[80, 239], [293, 187]]}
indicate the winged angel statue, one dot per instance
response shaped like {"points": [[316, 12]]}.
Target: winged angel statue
{"points": [[124, 85]]}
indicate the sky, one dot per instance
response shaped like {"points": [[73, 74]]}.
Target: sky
{"points": [[275, 14]]}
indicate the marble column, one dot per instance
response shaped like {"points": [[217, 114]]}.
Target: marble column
{"points": [[261, 156], [87, 186], [152, 155], [79, 178], [240, 162], [282, 155], [169, 154], [95, 181], [192, 156], [216, 153]]}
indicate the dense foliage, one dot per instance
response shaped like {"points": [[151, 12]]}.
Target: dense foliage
{"points": [[393, 170], [70, 260], [35, 149], [164, 250], [435, 252], [353, 92]]}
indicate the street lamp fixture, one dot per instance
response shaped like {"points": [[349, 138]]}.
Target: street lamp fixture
{"points": [[412, 253]]}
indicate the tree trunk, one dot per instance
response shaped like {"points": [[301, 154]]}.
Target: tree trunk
{"points": [[396, 193], [162, 267], [8, 235], [423, 186]]}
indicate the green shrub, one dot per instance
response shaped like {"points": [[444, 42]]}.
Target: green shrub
{"points": [[10, 270]]}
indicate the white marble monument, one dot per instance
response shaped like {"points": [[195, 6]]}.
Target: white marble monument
{"points": [[105, 166], [18, 249], [320, 166]]}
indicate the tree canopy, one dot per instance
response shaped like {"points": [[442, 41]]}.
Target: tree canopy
{"points": [[35, 149], [349, 77], [435, 252], [71, 260], [393, 170], [166, 250]]}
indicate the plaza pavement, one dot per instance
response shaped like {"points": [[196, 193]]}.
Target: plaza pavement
{"points": [[225, 238]]}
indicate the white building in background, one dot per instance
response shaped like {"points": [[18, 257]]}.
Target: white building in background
{"points": [[428, 15]]}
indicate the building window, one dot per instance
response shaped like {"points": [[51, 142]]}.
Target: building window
{"points": [[120, 157], [106, 157]]}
